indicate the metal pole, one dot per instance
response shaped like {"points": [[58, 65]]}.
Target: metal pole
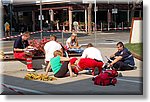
{"points": [[95, 23], [1, 22], [86, 21], [122, 25], [101, 26], [41, 18], [108, 20], [1, 32], [11, 17], [62, 36]]}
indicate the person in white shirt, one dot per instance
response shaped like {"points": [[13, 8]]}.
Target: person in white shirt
{"points": [[92, 52], [50, 47], [76, 26], [72, 42]]}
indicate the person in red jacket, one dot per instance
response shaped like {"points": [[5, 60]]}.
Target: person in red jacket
{"points": [[83, 63]]}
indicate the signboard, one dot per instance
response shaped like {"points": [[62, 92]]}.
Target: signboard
{"points": [[40, 17], [136, 30], [96, 9], [114, 10], [88, 1]]}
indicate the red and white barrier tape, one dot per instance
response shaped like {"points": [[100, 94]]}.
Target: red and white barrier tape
{"points": [[17, 91], [11, 37]]}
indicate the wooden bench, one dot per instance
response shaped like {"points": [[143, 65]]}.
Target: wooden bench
{"points": [[10, 57]]}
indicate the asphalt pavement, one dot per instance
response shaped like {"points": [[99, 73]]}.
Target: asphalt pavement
{"points": [[130, 83]]}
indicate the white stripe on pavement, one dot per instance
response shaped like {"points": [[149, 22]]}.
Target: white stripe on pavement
{"points": [[133, 81], [25, 89]]}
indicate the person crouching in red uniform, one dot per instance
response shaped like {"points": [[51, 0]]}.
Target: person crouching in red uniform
{"points": [[84, 63], [20, 50]]}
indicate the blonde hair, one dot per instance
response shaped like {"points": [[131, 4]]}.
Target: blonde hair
{"points": [[57, 53]]}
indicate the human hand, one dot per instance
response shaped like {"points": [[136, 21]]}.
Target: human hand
{"points": [[30, 47], [73, 75], [110, 65], [46, 74]]}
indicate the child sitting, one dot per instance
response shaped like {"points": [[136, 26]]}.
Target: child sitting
{"points": [[59, 69]]}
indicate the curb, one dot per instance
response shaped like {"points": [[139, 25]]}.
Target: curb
{"points": [[137, 56]]}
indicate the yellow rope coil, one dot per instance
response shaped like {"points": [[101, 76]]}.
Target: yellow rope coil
{"points": [[35, 76]]}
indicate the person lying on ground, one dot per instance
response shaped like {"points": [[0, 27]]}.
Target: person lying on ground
{"points": [[80, 64]]}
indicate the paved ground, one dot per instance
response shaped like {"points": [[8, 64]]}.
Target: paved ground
{"points": [[13, 73]]}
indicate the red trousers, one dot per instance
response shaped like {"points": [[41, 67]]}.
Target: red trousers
{"points": [[89, 63], [22, 56]]}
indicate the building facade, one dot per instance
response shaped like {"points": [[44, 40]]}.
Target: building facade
{"points": [[62, 15]]}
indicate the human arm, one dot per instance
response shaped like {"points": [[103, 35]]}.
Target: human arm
{"points": [[64, 59], [18, 49], [70, 71], [47, 68], [77, 43], [84, 54], [69, 45], [113, 55], [20, 45], [118, 58]]}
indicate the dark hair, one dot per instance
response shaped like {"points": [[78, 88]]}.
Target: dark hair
{"points": [[120, 44], [54, 37], [90, 45], [26, 34]]}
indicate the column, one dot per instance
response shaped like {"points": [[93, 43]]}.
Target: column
{"points": [[70, 19], [89, 18], [108, 19], [140, 13], [51, 15], [86, 20]]}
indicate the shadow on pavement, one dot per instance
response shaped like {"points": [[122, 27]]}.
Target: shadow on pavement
{"points": [[75, 86]]}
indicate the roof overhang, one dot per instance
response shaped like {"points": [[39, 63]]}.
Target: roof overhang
{"points": [[20, 2]]}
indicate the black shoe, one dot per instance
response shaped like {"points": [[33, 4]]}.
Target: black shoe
{"points": [[120, 75]]}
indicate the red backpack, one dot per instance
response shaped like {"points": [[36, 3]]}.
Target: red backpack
{"points": [[105, 78]]}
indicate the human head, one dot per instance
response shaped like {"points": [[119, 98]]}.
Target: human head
{"points": [[120, 46], [53, 38], [73, 60], [57, 53], [73, 36], [90, 45], [46, 21], [25, 35]]}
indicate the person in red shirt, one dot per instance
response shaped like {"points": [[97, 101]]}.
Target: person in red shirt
{"points": [[83, 63]]}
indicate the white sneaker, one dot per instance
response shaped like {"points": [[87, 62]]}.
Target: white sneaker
{"points": [[30, 70], [43, 66]]}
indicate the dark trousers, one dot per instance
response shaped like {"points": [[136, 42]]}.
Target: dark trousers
{"points": [[63, 70], [122, 66]]}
